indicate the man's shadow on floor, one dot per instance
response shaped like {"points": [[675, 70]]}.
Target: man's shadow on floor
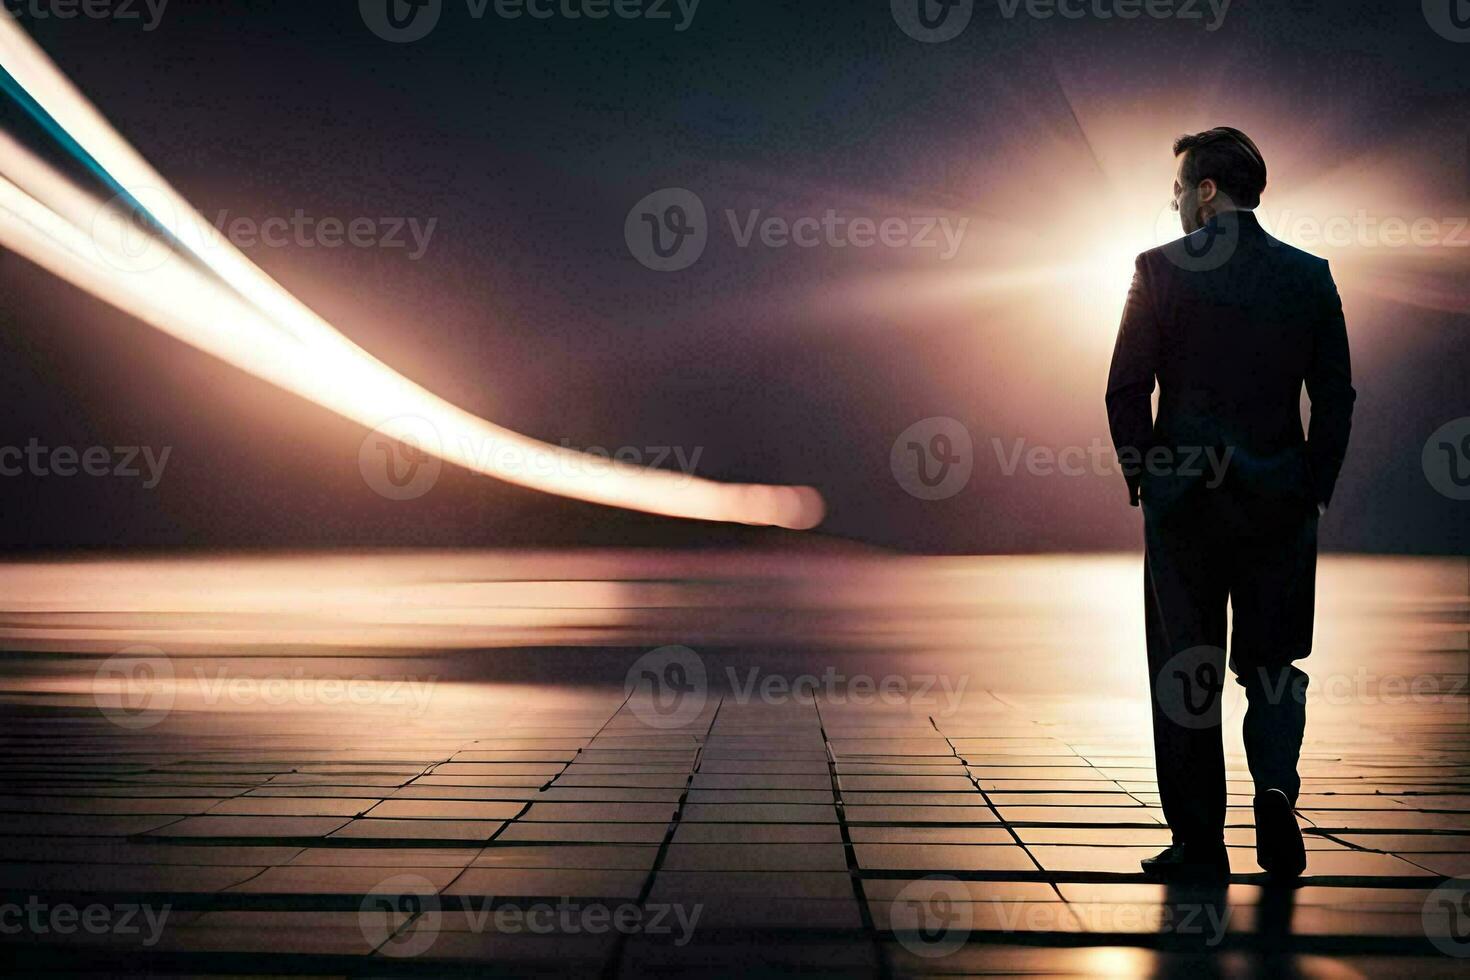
{"points": [[1197, 920]]}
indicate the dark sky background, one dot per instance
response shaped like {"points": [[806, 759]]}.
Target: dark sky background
{"points": [[529, 142]]}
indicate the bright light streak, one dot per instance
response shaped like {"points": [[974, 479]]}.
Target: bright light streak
{"points": [[257, 325]]}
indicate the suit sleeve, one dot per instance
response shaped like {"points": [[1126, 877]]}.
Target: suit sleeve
{"points": [[1131, 379], [1329, 383]]}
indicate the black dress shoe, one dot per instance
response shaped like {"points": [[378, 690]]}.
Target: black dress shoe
{"points": [[1279, 847], [1189, 862]]}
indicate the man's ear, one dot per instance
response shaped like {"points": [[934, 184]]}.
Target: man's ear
{"points": [[1206, 190]]}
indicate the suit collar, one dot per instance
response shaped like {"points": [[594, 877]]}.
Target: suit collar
{"points": [[1246, 221]]}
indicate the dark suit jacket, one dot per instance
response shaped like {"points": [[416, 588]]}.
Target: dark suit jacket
{"points": [[1232, 322]]}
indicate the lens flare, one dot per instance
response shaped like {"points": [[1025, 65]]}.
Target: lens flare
{"points": [[216, 299]]}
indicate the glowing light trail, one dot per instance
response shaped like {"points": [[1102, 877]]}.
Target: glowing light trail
{"points": [[249, 320]]}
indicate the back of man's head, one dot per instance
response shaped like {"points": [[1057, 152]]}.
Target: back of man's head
{"points": [[1229, 158]]}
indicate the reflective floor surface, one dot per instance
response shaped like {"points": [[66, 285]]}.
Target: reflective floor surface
{"points": [[643, 763]]}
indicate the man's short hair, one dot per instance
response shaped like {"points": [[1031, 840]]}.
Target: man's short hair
{"points": [[1229, 158]]}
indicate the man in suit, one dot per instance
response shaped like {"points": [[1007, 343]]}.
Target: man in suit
{"points": [[1231, 323]]}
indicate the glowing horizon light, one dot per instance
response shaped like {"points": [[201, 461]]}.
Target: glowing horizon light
{"points": [[247, 319]]}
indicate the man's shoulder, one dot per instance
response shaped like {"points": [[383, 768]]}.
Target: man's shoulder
{"points": [[1206, 250], [1290, 253]]}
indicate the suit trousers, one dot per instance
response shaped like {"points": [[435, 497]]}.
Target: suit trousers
{"points": [[1208, 550]]}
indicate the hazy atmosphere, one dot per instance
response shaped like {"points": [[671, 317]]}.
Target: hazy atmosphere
{"points": [[894, 231]]}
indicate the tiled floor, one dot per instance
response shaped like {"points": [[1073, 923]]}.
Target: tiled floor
{"points": [[851, 840], [580, 830]]}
